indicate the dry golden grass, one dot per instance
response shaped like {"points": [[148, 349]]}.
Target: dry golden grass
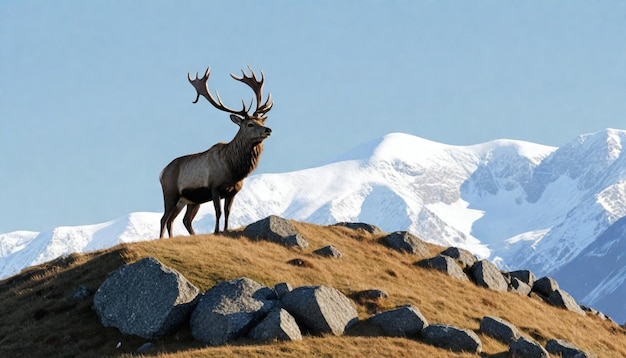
{"points": [[41, 319]]}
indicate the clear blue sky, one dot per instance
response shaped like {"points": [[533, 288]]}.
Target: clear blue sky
{"points": [[94, 99]]}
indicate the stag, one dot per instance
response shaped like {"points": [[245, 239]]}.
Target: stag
{"points": [[218, 172]]}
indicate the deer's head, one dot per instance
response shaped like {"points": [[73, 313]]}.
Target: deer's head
{"points": [[251, 126]]}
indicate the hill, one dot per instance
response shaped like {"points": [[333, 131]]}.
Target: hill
{"points": [[555, 211], [41, 318]]}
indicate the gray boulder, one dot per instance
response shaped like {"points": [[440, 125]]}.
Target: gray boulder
{"points": [[320, 309], [277, 325], [444, 264], [545, 286], [499, 329], [452, 338], [282, 288], [565, 349], [562, 299], [372, 229], [404, 241], [486, 274], [524, 347], [519, 287], [525, 276], [401, 321], [594, 312], [276, 229], [229, 310], [145, 298], [464, 258], [328, 251]]}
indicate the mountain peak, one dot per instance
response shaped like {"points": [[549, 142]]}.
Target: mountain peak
{"points": [[528, 205]]}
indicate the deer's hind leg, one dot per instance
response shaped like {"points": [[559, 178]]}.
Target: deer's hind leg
{"points": [[173, 206], [192, 210]]}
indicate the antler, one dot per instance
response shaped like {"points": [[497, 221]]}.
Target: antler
{"points": [[202, 88], [257, 87]]}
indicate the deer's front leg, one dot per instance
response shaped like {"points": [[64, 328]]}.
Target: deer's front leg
{"points": [[228, 203]]}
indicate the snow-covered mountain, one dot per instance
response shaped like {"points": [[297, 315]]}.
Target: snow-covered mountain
{"points": [[555, 211]]}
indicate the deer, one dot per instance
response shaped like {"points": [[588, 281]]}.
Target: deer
{"points": [[218, 172]]}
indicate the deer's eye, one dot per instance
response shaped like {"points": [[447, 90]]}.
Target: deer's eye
{"points": [[250, 125]]}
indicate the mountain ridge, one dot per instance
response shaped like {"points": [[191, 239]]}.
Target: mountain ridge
{"points": [[524, 205]]}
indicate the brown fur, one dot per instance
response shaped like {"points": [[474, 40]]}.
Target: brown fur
{"points": [[218, 172]]}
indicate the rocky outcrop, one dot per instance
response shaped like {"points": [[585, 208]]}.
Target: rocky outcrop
{"points": [[452, 338], [145, 298], [320, 309], [565, 349], [499, 329], [372, 229], [486, 274], [276, 229], [401, 321], [277, 325], [525, 347], [562, 299], [464, 258], [328, 251], [404, 241], [245, 308], [545, 286], [444, 264], [229, 310], [524, 276], [519, 287]]}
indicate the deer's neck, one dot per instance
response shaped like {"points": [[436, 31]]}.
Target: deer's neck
{"points": [[242, 157]]}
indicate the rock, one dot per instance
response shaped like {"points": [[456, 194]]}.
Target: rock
{"points": [[404, 241], [486, 274], [525, 276], [444, 264], [328, 251], [145, 298], [538, 296], [524, 347], [320, 309], [507, 278], [499, 329], [401, 321], [372, 229], [373, 294], [453, 338], [565, 349], [545, 286], [296, 240], [595, 312], [519, 287], [464, 258], [276, 229], [282, 288], [562, 299], [229, 309], [277, 325]]}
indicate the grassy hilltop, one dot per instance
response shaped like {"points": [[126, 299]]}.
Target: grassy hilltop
{"points": [[41, 318]]}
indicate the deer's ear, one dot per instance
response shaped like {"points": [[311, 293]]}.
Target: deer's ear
{"points": [[236, 119]]}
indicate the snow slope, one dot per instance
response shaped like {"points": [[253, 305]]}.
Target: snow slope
{"points": [[524, 205]]}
